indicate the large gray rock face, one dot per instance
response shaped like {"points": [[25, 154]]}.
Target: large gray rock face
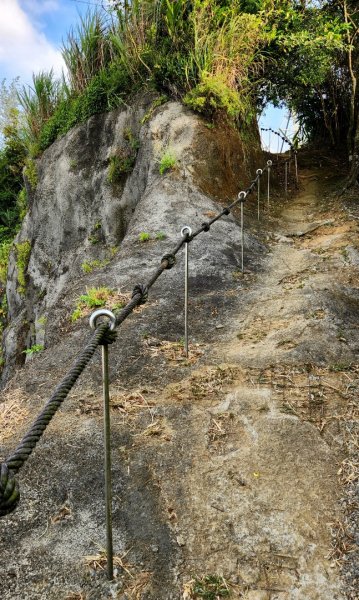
{"points": [[77, 214]]}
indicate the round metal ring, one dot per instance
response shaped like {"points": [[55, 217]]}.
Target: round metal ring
{"points": [[269, 163], [103, 312], [259, 172], [242, 195], [186, 230]]}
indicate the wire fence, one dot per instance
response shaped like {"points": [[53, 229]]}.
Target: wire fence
{"points": [[104, 335]]}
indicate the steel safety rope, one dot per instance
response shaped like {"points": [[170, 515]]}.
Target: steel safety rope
{"points": [[9, 489]]}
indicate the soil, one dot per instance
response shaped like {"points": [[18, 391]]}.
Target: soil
{"points": [[234, 467]]}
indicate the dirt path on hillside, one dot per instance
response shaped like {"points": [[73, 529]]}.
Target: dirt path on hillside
{"points": [[263, 491], [239, 477]]}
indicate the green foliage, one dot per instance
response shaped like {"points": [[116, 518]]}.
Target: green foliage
{"points": [[39, 102], [30, 172], [160, 236], [167, 162], [22, 203], [144, 237], [34, 349], [5, 248], [123, 161], [23, 250], [212, 95], [12, 157], [155, 104], [94, 298], [89, 266]]}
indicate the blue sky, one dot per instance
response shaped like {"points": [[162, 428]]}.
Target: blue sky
{"points": [[31, 33]]}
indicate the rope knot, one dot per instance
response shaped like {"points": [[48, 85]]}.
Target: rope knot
{"points": [[9, 491], [143, 290], [205, 226], [171, 260]]}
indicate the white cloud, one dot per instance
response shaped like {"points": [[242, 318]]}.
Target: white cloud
{"points": [[23, 48]]}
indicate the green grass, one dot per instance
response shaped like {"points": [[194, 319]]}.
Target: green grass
{"points": [[34, 349], [89, 265], [160, 236], [5, 248], [23, 250], [144, 237], [167, 162], [210, 587], [94, 298]]}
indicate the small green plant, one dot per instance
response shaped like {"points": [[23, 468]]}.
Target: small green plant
{"points": [[73, 165], [144, 237], [89, 265], [42, 321], [96, 233], [210, 587], [95, 297], [168, 162], [123, 161], [34, 349], [158, 102], [22, 250], [160, 235]]}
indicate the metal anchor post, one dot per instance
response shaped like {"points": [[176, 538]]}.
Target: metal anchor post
{"points": [[259, 173], [186, 232], [269, 164], [107, 436], [242, 197]]}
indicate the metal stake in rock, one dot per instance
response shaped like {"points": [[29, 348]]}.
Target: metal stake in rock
{"points": [[241, 198], [107, 435], [269, 164], [186, 232], [259, 173]]}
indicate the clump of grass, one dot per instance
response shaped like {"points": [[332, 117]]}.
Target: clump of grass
{"points": [[167, 162], [89, 265], [144, 237], [208, 587], [160, 236], [34, 349], [22, 250], [96, 298]]}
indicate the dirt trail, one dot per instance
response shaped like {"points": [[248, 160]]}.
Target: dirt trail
{"points": [[263, 491]]}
